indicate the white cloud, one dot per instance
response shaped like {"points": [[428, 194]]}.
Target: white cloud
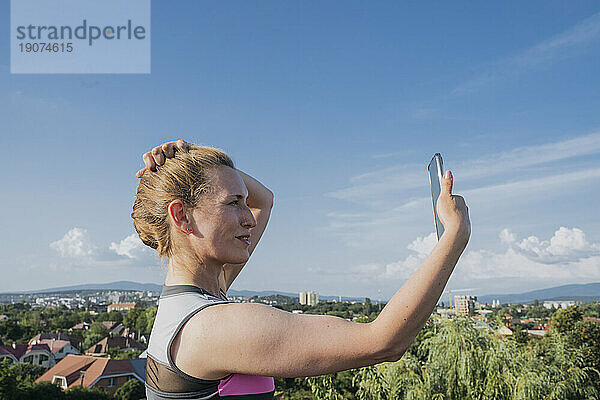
{"points": [[507, 236], [396, 196], [546, 51], [377, 272], [376, 187], [566, 257], [402, 269], [526, 156], [75, 243], [130, 247], [82, 253], [424, 245], [567, 245]]}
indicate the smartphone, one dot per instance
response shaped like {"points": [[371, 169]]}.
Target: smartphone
{"points": [[436, 172]]}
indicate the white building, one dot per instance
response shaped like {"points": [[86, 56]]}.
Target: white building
{"points": [[309, 298], [464, 304], [559, 304]]}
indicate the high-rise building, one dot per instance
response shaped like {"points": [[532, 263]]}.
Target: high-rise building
{"points": [[309, 298], [464, 304]]}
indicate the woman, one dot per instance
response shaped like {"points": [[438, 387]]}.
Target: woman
{"points": [[206, 217]]}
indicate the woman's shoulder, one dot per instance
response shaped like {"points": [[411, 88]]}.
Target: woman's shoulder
{"points": [[224, 322], [212, 333]]}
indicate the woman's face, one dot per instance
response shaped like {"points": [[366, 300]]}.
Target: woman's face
{"points": [[222, 220]]}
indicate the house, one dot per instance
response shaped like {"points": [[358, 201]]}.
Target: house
{"points": [[109, 324], [121, 306], [504, 331], [37, 354], [6, 352], [538, 333], [82, 326], [117, 330], [102, 373], [111, 343], [60, 348], [41, 337]]}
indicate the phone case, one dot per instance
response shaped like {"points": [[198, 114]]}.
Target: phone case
{"points": [[435, 171]]}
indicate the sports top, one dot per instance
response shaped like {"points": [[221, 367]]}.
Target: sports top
{"points": [[177, 304]]}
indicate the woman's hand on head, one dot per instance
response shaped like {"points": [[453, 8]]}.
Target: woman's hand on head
{"points": [[453, 210], [159, 154]]}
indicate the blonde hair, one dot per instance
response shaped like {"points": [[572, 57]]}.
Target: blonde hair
{"points": [[184, 177]]}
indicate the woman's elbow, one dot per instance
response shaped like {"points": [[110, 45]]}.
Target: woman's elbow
{"points": [[391, 348], [395, 355], [269, 199]]}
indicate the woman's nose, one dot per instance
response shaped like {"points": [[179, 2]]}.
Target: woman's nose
{"points": [[249, 221]]}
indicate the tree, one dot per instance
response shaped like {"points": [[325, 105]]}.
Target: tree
{"points": [[368, 307], [117, 354], [26, 373], [40, 391], [133, 389], [150, 316], [115, 316], [463, 363], [83, 393], [11, 331], [8, 382], [131, 317], [565, 319], [93, 335]]}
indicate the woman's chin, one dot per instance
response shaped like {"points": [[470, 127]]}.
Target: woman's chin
{"points": [[238, 259]]}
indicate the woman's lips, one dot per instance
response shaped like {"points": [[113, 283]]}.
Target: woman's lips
{"points": [[245, 239]]}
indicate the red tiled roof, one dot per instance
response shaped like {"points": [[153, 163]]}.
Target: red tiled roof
{"points": [[109, 324], [41, 337], [94, 368], [80, 325], [119, 342], [5, 351], [69, 368], [55, 345], [19, 350]]}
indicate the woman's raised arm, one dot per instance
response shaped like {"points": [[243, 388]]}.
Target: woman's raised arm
{"points": [[260, 202], [256, 339]]}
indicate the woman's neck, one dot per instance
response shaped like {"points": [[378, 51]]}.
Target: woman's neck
{"points": [[201, 275]]}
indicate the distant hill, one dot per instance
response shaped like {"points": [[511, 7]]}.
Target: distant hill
{"points": [[153, 287], [120, 285], [583, 292], [128, 285]]}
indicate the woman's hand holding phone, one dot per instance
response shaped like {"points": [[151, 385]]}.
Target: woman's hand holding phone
{"points": [[453, 211]]}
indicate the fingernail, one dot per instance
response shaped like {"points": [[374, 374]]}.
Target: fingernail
{"points": [[448, 174]]}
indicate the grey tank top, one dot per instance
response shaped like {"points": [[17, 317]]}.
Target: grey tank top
{"points": [[164, 380]]}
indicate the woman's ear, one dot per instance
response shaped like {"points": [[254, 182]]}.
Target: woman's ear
{"points": [[178, 216]]}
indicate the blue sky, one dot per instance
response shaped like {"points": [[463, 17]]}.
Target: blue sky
{"points": [[337, 107]]}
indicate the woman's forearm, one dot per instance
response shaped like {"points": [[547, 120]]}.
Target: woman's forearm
{"points": [[258, 194], [408, 310]]}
